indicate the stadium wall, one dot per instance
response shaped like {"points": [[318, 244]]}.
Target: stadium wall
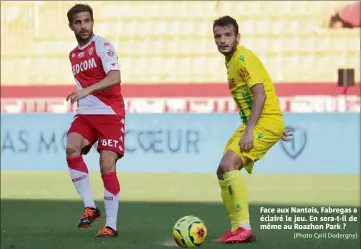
{"points": [[185, 98], [326, 143]]}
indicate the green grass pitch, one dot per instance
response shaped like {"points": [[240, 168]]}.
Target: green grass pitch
{"points": [[39, 210]]}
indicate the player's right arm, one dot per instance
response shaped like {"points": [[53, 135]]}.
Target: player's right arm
{"points": [[248, 70]]}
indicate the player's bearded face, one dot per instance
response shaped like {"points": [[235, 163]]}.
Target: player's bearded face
{"points": [[82, 26], [226, 39]]}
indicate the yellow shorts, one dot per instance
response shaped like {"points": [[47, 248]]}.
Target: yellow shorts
{"points": [[264, 139]]}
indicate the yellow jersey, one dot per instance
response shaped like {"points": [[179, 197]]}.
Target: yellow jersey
{"points": [[244, 70]]}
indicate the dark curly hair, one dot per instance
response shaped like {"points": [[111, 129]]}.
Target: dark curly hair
{"points": [[78, 8], [225, 21]]}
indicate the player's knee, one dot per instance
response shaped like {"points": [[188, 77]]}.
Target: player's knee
{"points": [[72, 151], [107, 165], [230, 161], [107, 162], [224, 167], [75, 143]]}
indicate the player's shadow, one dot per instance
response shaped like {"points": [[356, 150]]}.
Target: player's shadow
{"points": [[35, 224]]}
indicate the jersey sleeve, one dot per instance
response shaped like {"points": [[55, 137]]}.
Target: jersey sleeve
{"points": [[249, 71], [108, 56]]}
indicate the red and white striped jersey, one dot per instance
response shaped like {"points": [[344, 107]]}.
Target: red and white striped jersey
{"points": [[90, 64]]}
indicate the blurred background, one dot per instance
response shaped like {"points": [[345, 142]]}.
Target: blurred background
{"points": [[172, 42], [179, 110]]}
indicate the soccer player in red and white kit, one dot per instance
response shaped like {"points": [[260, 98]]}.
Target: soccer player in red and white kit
{"points": [[100, 117]]}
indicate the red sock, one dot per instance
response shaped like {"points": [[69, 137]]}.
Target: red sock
{"points": [[80, 177], [77, 163], [111, 198]]}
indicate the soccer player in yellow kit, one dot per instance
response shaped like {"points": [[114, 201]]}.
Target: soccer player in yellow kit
{"points": [[263, 125]]}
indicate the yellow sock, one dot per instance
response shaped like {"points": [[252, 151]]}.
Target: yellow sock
{"points": [[238, 204], [225, 195]]}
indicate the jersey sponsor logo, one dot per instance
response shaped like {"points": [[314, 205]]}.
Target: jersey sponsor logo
{"points": [[244, 74], [76, 179], [241, 58], [108, 198], [84, 65], [106, 44], [81, 55], [110, 52], [109, 142], [72, 55], [112, 143]]}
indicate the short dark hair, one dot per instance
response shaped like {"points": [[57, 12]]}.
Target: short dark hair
{"points": [[225, 21], [78, 8]]}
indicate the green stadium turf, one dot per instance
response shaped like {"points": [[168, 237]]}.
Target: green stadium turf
{"points": [[39, 210]]}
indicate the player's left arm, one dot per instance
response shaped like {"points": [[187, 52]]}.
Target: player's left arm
{"points": [[112, 78], [109, 58]]}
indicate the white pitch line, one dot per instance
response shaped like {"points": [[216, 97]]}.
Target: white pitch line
{"points": [[169, 243]]}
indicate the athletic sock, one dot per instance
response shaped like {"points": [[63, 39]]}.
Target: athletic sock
{"points": [[245, 226], [238, 204], [80, 177], [226, 197], [111, 199]]}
